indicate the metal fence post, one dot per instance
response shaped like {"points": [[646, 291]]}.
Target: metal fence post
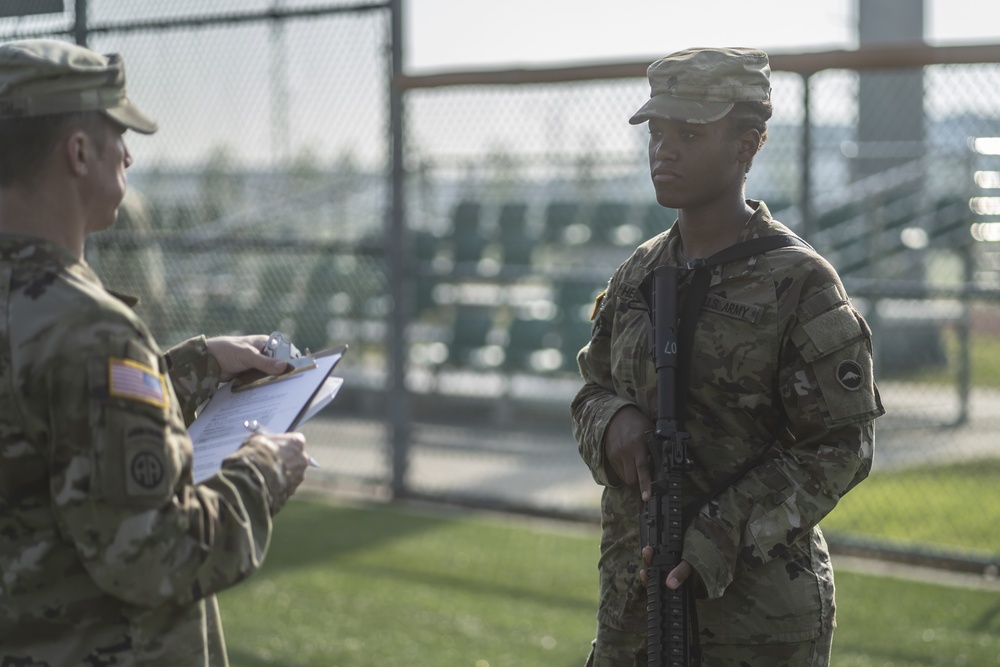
{"points": [[964, 379], [396, 392], [805, 172], [80, 22]]}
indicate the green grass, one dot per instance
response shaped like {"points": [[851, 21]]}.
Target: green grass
{"points": [[885, 622], [954, 507], [984, 358], [984, 363], [380, 585]]}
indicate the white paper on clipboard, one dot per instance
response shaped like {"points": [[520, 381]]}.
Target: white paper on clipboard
{"points": [[282, 405]]}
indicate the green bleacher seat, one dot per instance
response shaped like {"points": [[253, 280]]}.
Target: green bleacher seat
{"points": [[514, 239], [575, 300], [607, 220], [467, 238], [469, 331], [527, 342], [558, 216]]}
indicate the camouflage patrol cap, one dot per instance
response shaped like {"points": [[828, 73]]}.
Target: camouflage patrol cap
{"points": [[39, 77], [702, 85]]}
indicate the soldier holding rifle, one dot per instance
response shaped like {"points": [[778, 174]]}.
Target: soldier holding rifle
{"points": [[774, 390]]}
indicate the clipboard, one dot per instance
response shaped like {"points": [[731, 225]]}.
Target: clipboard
{"points": [[338, 351], [282, 404], [278, 347]]}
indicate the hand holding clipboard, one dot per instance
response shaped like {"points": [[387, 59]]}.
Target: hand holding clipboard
{"points": [[278, 347], [283, 402]]}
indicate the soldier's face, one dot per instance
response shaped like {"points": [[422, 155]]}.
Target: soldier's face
{"points": [[693, 165], [110, 182]]}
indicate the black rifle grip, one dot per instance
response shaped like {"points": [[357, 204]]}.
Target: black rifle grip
{"points": [[665, 357]]}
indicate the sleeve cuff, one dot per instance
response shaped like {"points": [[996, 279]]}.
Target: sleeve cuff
{"points": [[267, 465], [185, 354], [708, 561], [194, 374], [600, 425]]}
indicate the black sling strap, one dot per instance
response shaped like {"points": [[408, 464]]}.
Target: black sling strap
{"points": [[687, 321], [693, 302], [687, 317], [698, 292]]}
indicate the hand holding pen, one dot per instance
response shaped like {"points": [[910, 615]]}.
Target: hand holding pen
{"points": [[254, 426]]}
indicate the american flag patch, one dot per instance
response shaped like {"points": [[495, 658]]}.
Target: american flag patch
{"points": [[132, 380]]}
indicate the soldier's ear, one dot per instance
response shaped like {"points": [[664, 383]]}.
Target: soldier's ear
{"points": [[747, 145], [76, 153], [80, 149]]}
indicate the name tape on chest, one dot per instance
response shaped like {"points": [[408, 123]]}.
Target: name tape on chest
{"points": [[626, 292], [741, 311]]}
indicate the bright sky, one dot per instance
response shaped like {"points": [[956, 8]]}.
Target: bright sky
{"points": [[467, 34]]}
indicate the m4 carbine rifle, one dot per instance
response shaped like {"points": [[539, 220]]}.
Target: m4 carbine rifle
{"points": [[671, 618], [669, 631]]}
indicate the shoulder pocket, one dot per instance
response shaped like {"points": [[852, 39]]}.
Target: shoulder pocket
{"points": [[830, 331], [134, 457], [836, 345]]}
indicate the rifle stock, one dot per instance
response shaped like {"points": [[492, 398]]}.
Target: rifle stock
{"points": [[668, 616]]}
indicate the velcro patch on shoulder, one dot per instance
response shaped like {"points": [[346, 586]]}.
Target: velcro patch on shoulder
{"points": [[831, 331], [135, 381], [823, 302], [838, 351]]}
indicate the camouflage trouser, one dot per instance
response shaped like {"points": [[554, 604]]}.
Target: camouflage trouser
{"points": [[615, 648]]}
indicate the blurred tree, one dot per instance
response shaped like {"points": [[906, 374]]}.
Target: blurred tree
{"points": [[220, 185], [134, 265]]}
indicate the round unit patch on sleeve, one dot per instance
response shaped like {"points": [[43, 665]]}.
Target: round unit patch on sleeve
{"points": [[146, 469], [132, 380], [849, 375]]}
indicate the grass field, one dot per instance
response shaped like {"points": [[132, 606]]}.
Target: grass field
{"points": [[360, 586], [951, 507], [984, 362]]}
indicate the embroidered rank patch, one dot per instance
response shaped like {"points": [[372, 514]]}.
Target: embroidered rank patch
{"points": [[597, 305], [135, 381], [741, 311]]}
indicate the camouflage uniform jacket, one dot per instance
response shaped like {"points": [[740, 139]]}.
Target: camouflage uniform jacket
{"points": [[108, 553], [774, 335]]}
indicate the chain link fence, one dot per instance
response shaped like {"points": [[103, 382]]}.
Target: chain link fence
{"points": [[260, 204], [263, 203], [529, 189]]}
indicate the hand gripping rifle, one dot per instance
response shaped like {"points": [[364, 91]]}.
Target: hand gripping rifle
{"points": [[671, 638]]}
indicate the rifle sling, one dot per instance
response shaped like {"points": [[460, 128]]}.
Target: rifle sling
{"points": [[693, 302]]}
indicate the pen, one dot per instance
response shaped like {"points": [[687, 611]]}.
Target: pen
{"points": [[255, 426]]}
